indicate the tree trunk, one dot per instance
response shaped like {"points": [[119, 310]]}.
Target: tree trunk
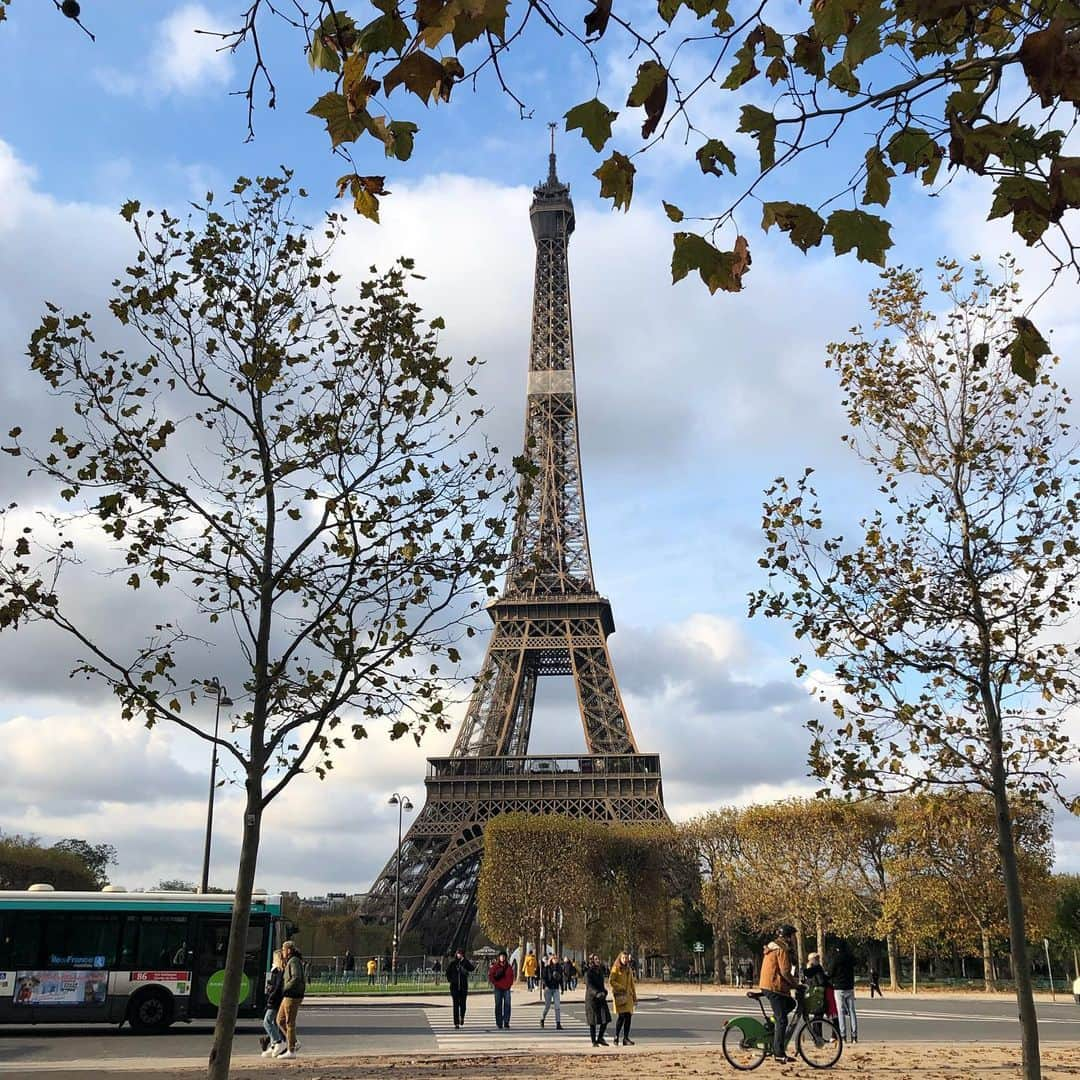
{"points": [[221, 1049], [730, 963], [819, 932], [894, 961], [1025, 998], [800, 945], [988, 963], [716, 954]]}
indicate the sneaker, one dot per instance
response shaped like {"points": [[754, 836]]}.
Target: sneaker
{"points": [[288, 1054], [270, 1051], [558, 1027], [541, 1021], [627, 1041], [601, 1042]]}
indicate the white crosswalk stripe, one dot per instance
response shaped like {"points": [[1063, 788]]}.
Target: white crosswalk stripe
{"points": [[481, 1035]]}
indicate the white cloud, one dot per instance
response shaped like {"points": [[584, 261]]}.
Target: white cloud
{"points": [[186, 58]]}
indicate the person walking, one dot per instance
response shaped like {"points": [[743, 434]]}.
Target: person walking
{"points": [[597, 1011], [624, 990], [529, 969], [776, 982], [274, 1039], [349, 966], [501, 977], [551, 977], [292, 993], [457, 975], [841, 973], [875, 985], [372, 970], [571, 972]]}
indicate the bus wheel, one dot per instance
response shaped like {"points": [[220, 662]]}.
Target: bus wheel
{"points": [[150, 1012]]}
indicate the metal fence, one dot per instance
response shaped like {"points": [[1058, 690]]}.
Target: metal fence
{"points": [[327, 974]]}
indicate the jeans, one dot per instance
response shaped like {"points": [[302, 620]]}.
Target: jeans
{"points": [[459, 998], [781, 1007], [551, 997], [849, 1023], [502, 1007], [273, 1032], [531, 982]]}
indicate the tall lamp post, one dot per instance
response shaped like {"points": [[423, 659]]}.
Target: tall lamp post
{"points": [[221, 696], [403, 804]]}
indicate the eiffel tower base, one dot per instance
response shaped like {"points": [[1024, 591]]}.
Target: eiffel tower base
{"points": [[440, 856]]}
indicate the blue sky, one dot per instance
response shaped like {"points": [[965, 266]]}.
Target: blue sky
{"points": [[689, 404]]}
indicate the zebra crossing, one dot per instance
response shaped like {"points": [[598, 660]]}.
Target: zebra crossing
{"points": [[480, 1035]]}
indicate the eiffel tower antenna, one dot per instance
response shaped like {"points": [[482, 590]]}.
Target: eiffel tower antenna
{"points": [[549, 621]]}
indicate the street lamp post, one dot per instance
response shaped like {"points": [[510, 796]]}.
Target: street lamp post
{"points": [[221, 698], [402, 803]]}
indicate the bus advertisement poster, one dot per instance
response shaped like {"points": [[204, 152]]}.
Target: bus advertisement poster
{"points": [[61, 987]]}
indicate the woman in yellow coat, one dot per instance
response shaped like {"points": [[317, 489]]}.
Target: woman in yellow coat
{"points": [[625, 993]]}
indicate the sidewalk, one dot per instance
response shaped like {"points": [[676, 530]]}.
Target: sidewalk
{"points": [[890, 1061]]}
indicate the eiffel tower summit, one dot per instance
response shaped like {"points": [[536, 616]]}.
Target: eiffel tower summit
{"points": [[549, 621]]}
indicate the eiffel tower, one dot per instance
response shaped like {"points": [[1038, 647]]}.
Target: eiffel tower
{"points": [[549, 620]]}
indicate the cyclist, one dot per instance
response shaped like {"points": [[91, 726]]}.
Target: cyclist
{"points": [[777, 983]]}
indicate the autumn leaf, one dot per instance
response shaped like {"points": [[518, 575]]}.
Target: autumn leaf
{"points": [[805, 227], [1026, 349], [596, 20], [419, 72], [713, 155], [616, 176], [594, 119], [650, 90], [673, 212], [365, 191], [762, 126], [878, 175], [864, 233], [334, 109], [719, 270]]}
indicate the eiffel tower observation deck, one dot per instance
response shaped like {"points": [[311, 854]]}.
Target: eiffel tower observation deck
{"points": [[549, 621]]}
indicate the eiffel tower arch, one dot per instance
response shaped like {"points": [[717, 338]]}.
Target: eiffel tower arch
{"points": [[549, 621]]}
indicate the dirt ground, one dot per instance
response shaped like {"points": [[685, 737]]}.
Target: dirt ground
{"points": [[910, 1061]]}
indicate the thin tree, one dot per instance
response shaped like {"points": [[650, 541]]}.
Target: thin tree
{"points": [[944, 630], [297, 475]]}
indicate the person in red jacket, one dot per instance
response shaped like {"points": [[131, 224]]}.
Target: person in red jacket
{"points": [[501, 977]]}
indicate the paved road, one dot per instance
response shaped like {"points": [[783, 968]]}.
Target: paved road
{"points": [[668, 1022]]}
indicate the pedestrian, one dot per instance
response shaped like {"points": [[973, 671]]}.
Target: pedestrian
{"points": [[571, 973], [274, 1039], [597, 1011], [530, 968], [501, 977], [875, 985], [349, 966], [292, 993], [841, 973], [457, 975], [624, 990], [551, 977], [372, 970], [776, 982], [818, 989]]}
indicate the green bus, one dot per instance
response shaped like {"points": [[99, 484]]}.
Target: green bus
{"points": [[145, 958]]}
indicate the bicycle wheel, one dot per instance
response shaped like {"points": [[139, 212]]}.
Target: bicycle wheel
{"points": [[819, 1044], [740, 1052]]}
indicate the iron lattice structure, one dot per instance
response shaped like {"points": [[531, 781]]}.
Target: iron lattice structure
{"points": [[549, 620]]}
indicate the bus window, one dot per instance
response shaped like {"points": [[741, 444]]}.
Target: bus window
{"points": [[85, 940], [20, 940], [162, 944]]}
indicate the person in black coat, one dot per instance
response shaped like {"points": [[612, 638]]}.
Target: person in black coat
{"points": [[597, 1010], [275, 987], [841, 973], [457, 975]]}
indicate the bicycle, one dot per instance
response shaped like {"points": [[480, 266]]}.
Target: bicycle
{"points": [[748, 1041]]}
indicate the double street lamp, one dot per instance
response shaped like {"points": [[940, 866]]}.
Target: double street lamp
{"points": [[402, 803], [213, 687]]}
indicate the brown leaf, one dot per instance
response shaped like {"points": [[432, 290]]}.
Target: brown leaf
{"points": [[419, 72], [596, 20], [1051, 60]]}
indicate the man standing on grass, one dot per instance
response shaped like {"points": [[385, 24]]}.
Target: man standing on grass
{"points": [[292, 995], [457, 975], [501, 977]]}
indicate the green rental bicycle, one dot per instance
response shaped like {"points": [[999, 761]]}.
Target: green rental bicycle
{"points": [[748, 1041]]}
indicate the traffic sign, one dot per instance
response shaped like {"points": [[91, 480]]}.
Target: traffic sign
{"points": [[699, 947]]}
